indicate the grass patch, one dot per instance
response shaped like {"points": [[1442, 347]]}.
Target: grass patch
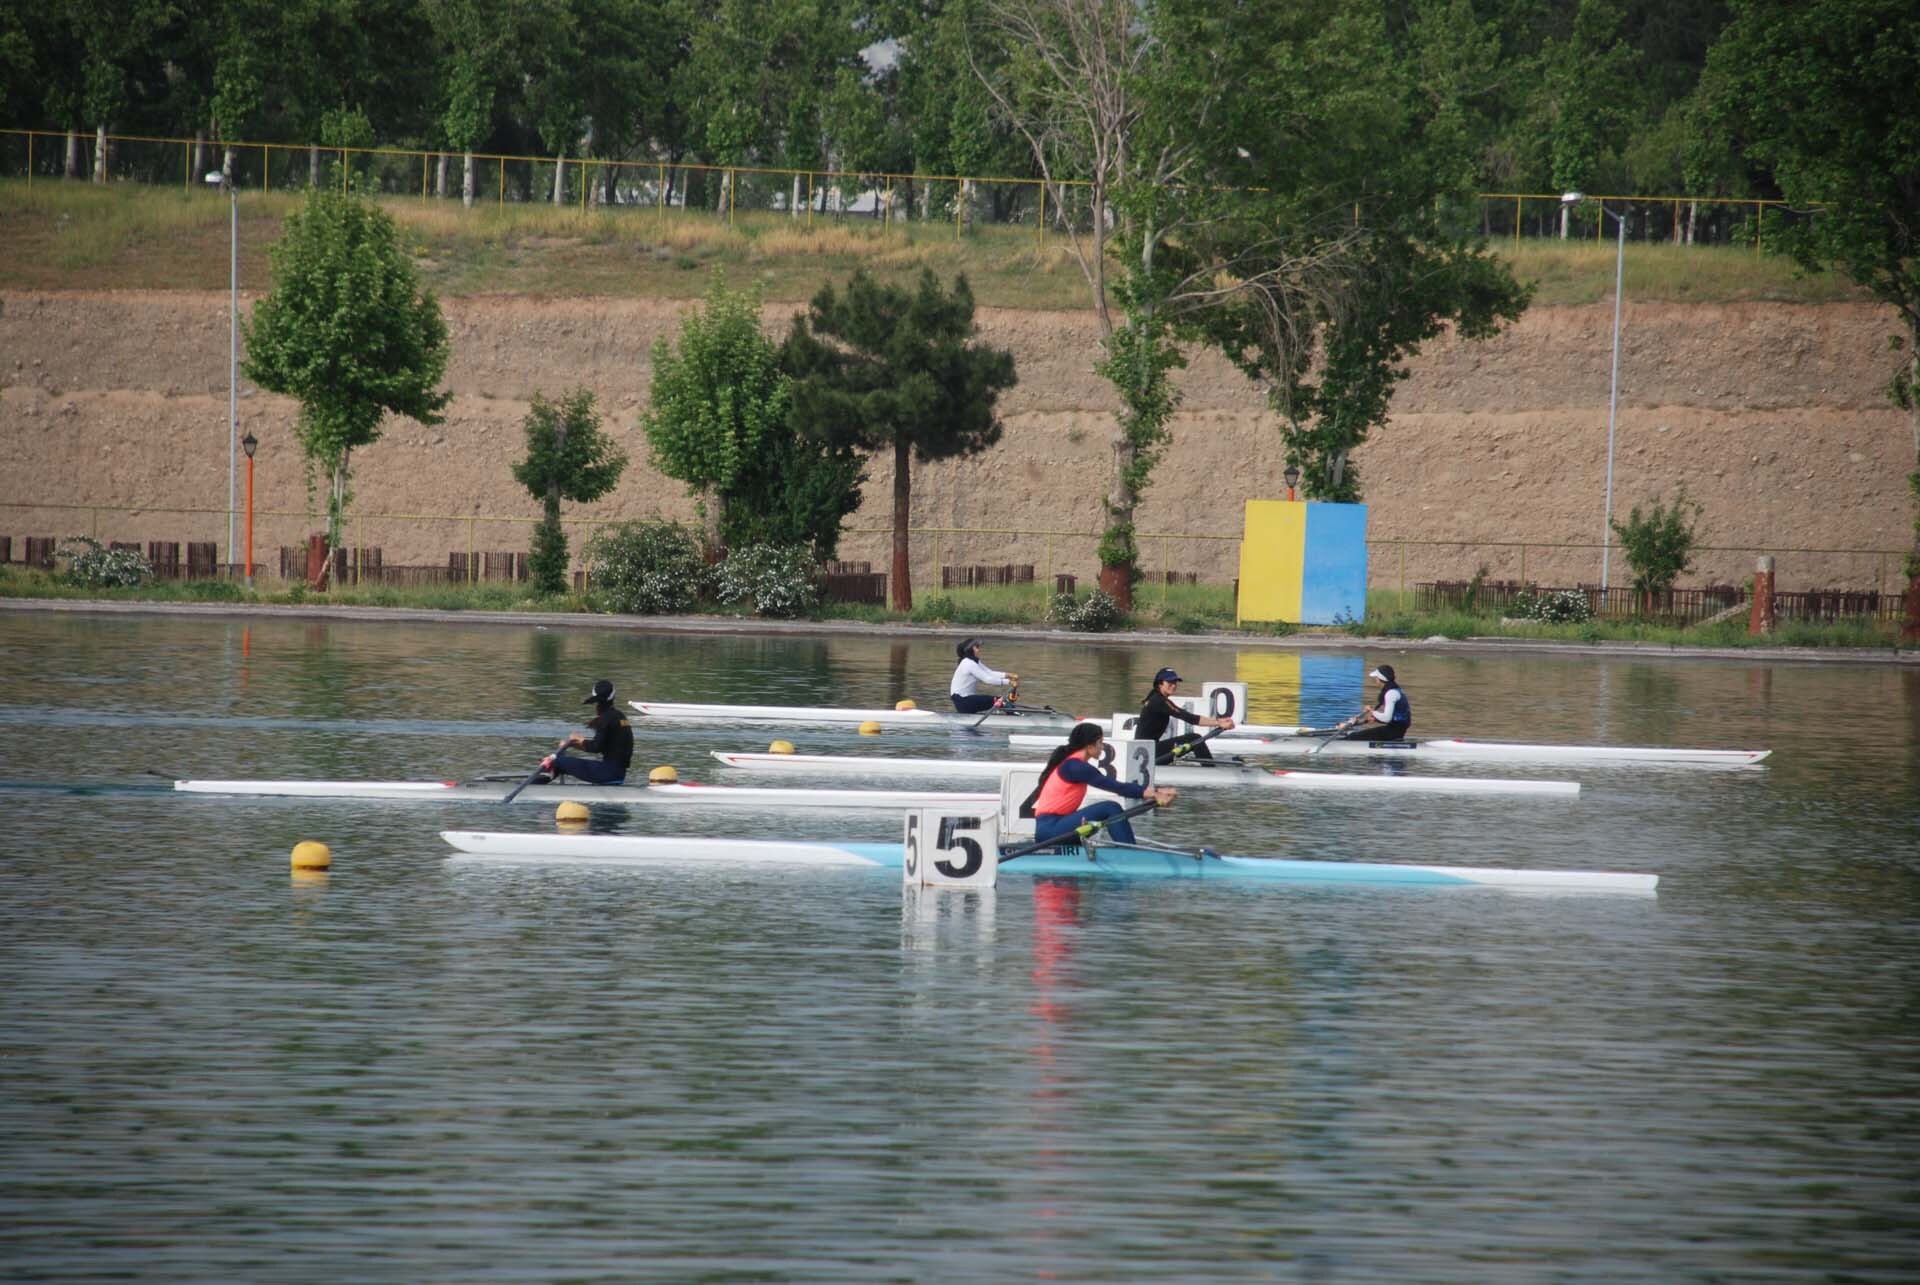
{"points": [[1387, 618], [124, 236]]}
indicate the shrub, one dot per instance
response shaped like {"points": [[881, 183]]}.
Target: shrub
{"points": [[777, 579], [1060, 608], [935, 608], [92, 565], [1659, 546], [1561, 607], [1097, 614], [651, 567]]}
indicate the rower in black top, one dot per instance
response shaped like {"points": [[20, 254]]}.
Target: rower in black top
{"points": [[612, 740], [1388, 718], [1155, 712]]}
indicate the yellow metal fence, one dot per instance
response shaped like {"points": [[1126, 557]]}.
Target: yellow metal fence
{"points": [[426, 539], [726, 190]]}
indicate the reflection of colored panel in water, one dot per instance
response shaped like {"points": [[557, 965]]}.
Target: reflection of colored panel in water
{"points": [[1272, 552], [1292, 687], [1331, 687], [1334, 574], [1273, 685]]}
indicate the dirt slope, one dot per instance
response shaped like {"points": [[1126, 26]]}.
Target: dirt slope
{"points": [[1773, 416]]}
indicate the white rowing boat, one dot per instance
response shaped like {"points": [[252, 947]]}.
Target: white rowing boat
{"points": [[1226, 774], [925, 719], [1451, 750], [577, 792], [1105, 860]]}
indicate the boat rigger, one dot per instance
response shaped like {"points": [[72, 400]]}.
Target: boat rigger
{"points": [[686, 794], [1451, 750], [1225, 774], [1102, 860]]}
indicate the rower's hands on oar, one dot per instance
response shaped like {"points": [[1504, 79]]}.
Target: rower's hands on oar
{"points": [[1162, 795], [514, 793]]}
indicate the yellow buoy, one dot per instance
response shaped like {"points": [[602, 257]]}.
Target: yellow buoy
{"points": [[905, 704], [309, 855], [571, 811], [312, 878], [869, 728], [780, 747], [663, 775]]}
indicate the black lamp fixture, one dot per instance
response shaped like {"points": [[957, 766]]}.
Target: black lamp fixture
{"points": [[248, 443], [1292, 475]]}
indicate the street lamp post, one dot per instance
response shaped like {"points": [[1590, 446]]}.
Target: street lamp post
{"points": [[247, 444], [218, 178], [1613, 396], [1293, 477]]}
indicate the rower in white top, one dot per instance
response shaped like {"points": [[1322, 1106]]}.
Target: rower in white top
{"points": [[970, 673], [1387, 719]]}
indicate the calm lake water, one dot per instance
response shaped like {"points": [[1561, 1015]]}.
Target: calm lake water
{"points": [[418, 1070]]}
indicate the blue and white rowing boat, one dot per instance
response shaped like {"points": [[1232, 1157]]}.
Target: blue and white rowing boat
{"points": [[628, 851]]}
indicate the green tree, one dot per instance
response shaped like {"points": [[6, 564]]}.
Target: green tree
{"points": [[1659, 545], [568, 458], [1826, 95], [898, 369], [349, 333], [718, 400]]}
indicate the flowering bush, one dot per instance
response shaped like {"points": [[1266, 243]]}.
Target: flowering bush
{"points": [[1097, 614], [648, 568], [1561, 607], [778, 579], [94, 566]]}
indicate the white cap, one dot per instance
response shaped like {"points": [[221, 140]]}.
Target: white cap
{"points": [[1377, 674]]}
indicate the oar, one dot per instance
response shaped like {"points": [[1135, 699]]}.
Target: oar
{"points": [[1172, 850], [1079, 833], [515, 791], [1338, 732], [1181, 751], [1012, 699]]}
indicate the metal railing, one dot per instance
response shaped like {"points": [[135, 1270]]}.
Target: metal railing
{"points": [[718, 189]]}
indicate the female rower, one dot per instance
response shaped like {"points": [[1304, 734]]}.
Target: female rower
{"points": [[969, 674], [612, 740], [1158, 708], [1388, 718], [1063, 788]]}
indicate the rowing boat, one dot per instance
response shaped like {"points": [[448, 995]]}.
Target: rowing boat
{"points": [[634, 850], [1225, 774], [578, 792], [1454, 750], [924, 719]]}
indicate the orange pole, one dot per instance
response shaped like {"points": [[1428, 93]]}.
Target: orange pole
{"points": [[249, 521]]}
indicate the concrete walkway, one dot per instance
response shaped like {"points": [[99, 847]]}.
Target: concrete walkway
{"points": [[736, 625]]}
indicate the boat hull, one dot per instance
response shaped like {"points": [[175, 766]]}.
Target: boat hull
{"points": [[1452, 750], [924, 719], [687, 795], [648, 850], [1224, 775]]}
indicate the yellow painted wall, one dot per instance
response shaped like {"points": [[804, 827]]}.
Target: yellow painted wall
{"points": [[1273, 553]]}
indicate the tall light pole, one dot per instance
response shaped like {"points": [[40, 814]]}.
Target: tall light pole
{"points": [[218, 178], [247, 444], [1613, 396]]}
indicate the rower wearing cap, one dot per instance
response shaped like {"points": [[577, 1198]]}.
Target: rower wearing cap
{"points": [[970, 673], [612, 740], [1158, 709], [1388, 718], [1057, 800]]}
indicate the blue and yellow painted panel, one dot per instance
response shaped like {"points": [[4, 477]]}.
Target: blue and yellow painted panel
{"points": [[1303, 563], [1313, 689]]}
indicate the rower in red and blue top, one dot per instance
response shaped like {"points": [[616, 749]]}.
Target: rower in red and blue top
{"points": [[969, 674], [1063, 786], [612, 740], [1158, 709], [1388, 718]]}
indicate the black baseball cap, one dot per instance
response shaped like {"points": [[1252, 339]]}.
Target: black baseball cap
{"points": [[602, 694], [1167, 676]]}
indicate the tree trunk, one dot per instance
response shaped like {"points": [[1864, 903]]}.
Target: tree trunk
{"points": [[560, 179], [902, 581], [440, 176], [724, 204], [199, 154], [793, 206], [313, 165], [1566, 216], [226, 166], [100, 154], [966, 205], [1117, 579], [466, 181], [73, 153]]}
